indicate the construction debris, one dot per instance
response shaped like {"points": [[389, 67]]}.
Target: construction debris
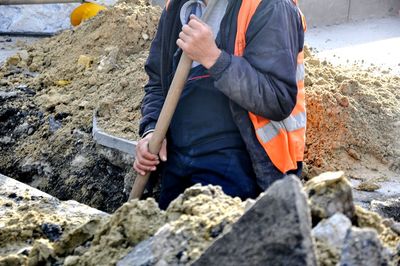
{"points": [[330, 193], [202, 225]]}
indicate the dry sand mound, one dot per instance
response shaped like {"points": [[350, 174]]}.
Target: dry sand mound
{"points": [[353, 118]]}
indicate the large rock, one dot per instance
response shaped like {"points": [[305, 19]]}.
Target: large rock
{"points": [[330, 193], [333, 230], [275, 231], [362, 248]]}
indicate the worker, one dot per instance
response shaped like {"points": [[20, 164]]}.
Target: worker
{"points": [[240, 121]]}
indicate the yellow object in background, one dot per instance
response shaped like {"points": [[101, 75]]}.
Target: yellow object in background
{"points": [[84, 12]]}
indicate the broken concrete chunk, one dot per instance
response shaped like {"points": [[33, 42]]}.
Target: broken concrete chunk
{"points": [[275, 231], [333, 230], [362, 248], [330, 193], [108, 61], [388, 209]]}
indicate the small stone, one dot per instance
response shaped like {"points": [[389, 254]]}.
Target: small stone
{"points": [[344, 101], [12, 195], [62, 82], [368, 186], [51, 231], [24, 55], [354, 154], [85, 61], [92, 80], [124, 83], [83, 104], [392, 224], [33, 67], [145, 36], [108, 61], [71, 261], [31, 130], [41, 252], [13, 60], [54, 124]]}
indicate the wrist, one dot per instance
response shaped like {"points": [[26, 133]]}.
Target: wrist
{"points": [[212, 59]]}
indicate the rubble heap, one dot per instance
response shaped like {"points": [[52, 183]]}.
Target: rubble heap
{"points": [[204, 225]]}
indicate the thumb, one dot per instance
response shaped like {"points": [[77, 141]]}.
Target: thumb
{"points": [[163, 151]]}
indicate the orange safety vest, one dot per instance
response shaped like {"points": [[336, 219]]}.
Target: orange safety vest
{"points": [[284, 140]]}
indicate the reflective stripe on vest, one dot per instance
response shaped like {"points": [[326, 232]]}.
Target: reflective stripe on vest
{"points": [[284, 140]]}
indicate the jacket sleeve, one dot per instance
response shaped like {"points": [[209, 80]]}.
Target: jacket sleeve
{"points": [[154, 97], [263, 81]]}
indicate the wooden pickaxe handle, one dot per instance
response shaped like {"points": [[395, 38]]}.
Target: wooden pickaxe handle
{"points": [[168, 110]]}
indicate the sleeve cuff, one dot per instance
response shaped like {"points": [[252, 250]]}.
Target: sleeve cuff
{"points": [[148, 129], [222, 63]]}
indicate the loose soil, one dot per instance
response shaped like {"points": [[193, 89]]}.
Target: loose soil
{"points": [[50, 91]]}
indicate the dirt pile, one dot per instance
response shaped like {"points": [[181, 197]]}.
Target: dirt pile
{"points": [[353, 119], [48, 94]]}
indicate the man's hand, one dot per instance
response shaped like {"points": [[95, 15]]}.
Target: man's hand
{"points": [[197, 41], [146, 161]]}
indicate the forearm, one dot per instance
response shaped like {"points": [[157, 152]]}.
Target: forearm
{"points": [[260, 93]]}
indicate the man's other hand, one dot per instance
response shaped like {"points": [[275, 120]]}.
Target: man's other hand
{"points": [[145, 161], [197, 41]]}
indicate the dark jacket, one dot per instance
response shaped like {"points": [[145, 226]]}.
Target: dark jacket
{"points": [[263, 81]]}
